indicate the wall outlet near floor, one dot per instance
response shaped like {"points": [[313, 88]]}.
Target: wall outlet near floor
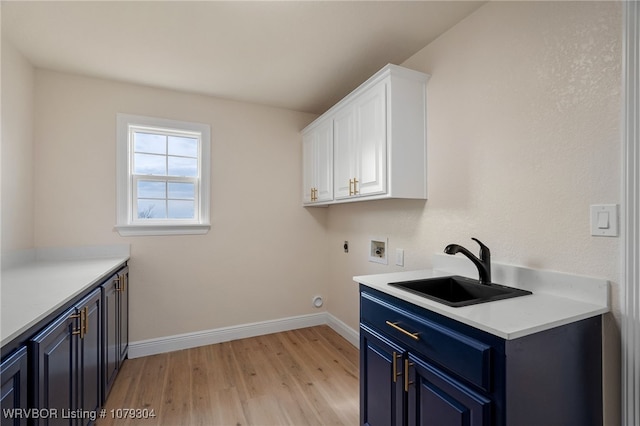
{"points": [[378, 250]]}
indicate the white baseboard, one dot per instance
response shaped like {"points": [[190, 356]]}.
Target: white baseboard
{"points": [[208, 337], [351, 335]]}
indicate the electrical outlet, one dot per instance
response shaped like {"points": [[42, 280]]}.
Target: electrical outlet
{"points": [[400, 257]]}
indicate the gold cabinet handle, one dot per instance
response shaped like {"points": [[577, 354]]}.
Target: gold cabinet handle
{"points": [[83, 316], [77, 331], [407, 383], [396, 356], [353, 189], [85, 321], [414, 336], [124, 283]]}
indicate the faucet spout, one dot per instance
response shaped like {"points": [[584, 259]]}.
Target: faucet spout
{"points": [[483, 262]]}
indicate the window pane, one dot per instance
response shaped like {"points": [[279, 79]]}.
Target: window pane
{"points": [[152, 189], [180, 166], [180, 209], [150, 143], [187, 147], [146, 164], [183, 191], [151, 209]]}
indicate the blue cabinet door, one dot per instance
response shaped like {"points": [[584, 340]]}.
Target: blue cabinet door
{"points": [[436, 399], [55, 381], [123, 314], [382, 396], [90, 355], [13, 392], [68, 369], [115, 320], [111, 352]]}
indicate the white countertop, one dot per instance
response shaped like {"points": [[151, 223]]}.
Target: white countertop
{"points": [[35, 287], [550, 305]]}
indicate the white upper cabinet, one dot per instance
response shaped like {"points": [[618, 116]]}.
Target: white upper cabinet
{"points": [[317, 163], [378, 138], [360, 143]]}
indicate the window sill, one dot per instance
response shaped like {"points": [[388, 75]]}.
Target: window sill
{"points": [[149, 230]]}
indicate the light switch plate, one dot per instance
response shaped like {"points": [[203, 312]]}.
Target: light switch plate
{"points": [[604, 220]]}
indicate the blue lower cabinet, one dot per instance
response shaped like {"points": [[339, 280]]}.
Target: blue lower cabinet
{"points": [[13, 392], [436, 399], [67, 365], [383, 398], [418, 367], [115, 320], [110, 291], [60, 370], [55, 366], [90, 358]]}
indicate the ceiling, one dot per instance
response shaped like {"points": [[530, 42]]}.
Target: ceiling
{"points": [[299, 55]]}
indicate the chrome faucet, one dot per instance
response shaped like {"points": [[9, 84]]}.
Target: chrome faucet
{"points": [[483, 263]]}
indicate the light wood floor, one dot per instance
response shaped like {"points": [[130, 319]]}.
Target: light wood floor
{"points": [[301, 377]]}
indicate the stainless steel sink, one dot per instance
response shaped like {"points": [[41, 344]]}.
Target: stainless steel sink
{"points": [[459, 291]]}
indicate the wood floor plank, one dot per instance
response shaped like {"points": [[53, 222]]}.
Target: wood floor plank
{"points": [[201, 389], [177, 394], [120, 395], [227, 408], [299, 377]]}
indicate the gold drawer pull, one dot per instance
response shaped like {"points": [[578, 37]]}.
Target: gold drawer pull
{"points": [[414, 336]]}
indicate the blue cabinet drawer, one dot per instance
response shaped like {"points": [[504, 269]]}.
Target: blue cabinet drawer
{"points": [[454, 351]]}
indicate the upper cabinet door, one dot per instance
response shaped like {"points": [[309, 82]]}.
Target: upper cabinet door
{"points": [[371, 143], [317, 164], [360, 145], [345, 150]]}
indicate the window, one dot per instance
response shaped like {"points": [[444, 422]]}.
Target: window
{"points": [[163, 176]]}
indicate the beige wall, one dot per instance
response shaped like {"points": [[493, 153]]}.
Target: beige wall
{"points": [[265, 255], [17, 150], [523, 135]]}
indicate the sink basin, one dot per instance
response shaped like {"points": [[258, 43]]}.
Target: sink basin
{"points": [[459, 291]]}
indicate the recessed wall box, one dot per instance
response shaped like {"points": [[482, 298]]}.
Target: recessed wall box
{"points": [[378, 250]]}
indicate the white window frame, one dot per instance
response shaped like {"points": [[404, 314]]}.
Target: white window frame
{"points": [[128, 223]]}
